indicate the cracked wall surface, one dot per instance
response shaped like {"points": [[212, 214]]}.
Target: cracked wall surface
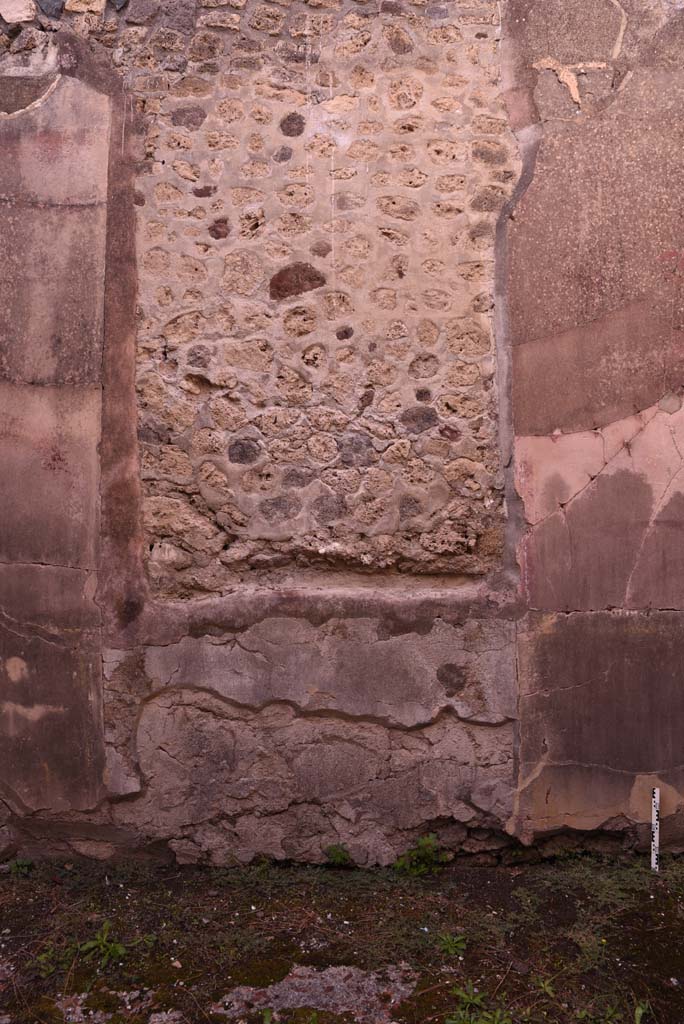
{"points": [[54, 139], [593, 282], [340, 354]]}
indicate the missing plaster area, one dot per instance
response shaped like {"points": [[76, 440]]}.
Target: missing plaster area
{"points": [[316, 375]]}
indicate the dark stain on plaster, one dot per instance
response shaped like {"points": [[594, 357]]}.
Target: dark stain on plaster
{"points": [[657, 578], [583, 557], [452, 677], [600, 704]]}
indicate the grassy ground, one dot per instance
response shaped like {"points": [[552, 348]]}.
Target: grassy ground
{"points": [[580, 939]]}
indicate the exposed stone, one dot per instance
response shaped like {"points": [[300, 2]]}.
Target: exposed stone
{"points": [[299, 321], [276, 510], [294, 280], [370, 997], [398, 39], [52, 8], [296, 477], [191, 117], [419, 418], [321, 249], [220, 228], [243, 451], [16, 11], [356, 449], [329, 508], [292, 125], [83, 6], [243, 272]]}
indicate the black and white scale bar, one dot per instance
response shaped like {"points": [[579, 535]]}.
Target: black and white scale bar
{"points": [[655, 830]]}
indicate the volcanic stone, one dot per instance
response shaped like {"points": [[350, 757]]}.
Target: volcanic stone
{"points": [[295, 279]]}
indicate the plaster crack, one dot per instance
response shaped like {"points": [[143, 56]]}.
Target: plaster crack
{"points": [[180, 696], [40, 633], [657, 508], [548, 691], [563, 506], [617, 47]]}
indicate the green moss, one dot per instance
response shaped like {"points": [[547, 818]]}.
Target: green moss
{"points": [[260, 973], [100, 999]]}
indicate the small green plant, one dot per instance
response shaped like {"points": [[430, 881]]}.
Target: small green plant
{"points": [[468, 997], [479, 1016], [545, 986], [425, 858], [102, 947], [452, 945], [267, 1017], [611, 1015], [592, 946], [54, 958], [471, 1008], [459, 1017], [21, 868], [338, 856], [641, 1011]]}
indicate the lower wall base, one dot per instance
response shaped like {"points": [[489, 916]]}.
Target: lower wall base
{"points": [[284, 736], [42, 838], [280, 724], [601, 711]]}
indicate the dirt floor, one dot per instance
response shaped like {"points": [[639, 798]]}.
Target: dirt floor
{"points": [[578, 938]]}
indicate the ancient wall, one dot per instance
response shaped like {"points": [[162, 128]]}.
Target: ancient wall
{"points": [[315, 237], [340, 344], [594, 298]]}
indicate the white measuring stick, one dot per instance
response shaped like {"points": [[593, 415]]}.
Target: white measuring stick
{"points": [[655, 830]]}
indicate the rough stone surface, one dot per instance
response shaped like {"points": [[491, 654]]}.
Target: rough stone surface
{"points": [[369, 996], [356, 266], [296, 734], [53, 8], [14, 11]]}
